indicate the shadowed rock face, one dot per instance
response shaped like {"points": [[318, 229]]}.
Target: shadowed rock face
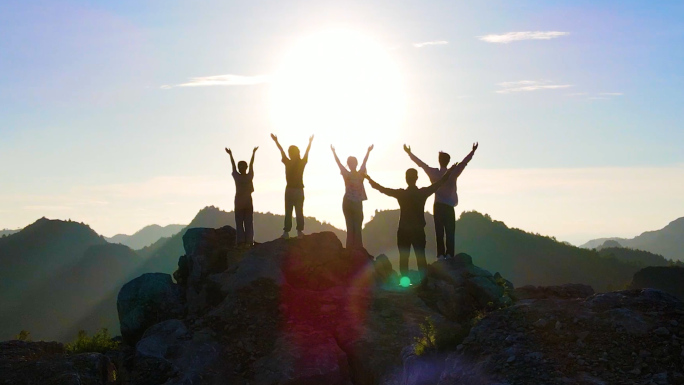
{"points": [[305, 311], [667, 279]]}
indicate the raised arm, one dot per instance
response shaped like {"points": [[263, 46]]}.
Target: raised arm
{"points": [[387, 191], [461, 166], [339, 164], [415, 159], [282, 153], [251, 162], [363, 165], [232, 161], [306, 154]]}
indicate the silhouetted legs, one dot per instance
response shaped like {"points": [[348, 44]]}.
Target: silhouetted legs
{"points": [[445, 223], [294, 199], [353, 215], [405, 239], [244, 225]]}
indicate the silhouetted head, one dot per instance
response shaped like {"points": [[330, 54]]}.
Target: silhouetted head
{"points": [[411, 176], [444, 159], [352, 163], [293, 151], [242, 167]]}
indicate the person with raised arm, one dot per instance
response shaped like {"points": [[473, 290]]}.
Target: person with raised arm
{"points": [[411, 231], [354, 195], [294, 191], [446, 198], [244, 208]]}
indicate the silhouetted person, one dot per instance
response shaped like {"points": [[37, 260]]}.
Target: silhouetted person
{"points": [[354, 195], [446, 198], [411, 230], [244, 209], [294, 191]]}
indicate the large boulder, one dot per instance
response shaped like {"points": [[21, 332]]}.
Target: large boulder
{"points": [[668, 279], [459, 289], [146, 301]]}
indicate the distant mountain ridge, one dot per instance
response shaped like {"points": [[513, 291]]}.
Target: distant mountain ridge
{"points": [[145, 236], [6, 232], [668, 241]]}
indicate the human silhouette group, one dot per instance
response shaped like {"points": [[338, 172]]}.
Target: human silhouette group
{"points": [[411, 229]]}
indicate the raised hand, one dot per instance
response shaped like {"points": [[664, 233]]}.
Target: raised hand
{"points": [[275, 138], [229, 151], [372, 146], [407, 149], [255, 148], [311, 139], [332, 148], [475, 145]]}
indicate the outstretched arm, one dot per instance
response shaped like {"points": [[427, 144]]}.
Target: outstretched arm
{"points": [[251, 162], [306, 154], [339, 164], [384, 190], [232, 161], [435, 186], [466, 160], [415, 159], [363, 165], [282, 153]]}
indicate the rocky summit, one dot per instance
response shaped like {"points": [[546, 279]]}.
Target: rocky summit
{"points": [[297, 311], [308, 311]]}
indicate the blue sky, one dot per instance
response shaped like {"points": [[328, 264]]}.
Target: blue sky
{"points": [[593, 147]]}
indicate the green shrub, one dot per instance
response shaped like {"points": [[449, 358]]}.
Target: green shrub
{"points": [[427, 342], [23, 335], [100, 342]]}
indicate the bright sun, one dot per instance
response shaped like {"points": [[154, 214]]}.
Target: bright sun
{"points": [[341, 86]]}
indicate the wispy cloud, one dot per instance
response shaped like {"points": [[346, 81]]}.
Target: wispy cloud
{"points": [[427, 43], [528, 85], [221, 80], [611, 93], [518, 36]]}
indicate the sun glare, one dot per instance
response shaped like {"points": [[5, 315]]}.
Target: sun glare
{"points": [[340, 85]]}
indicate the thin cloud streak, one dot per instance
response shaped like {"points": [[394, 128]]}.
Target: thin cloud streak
{"points": [[518, 36], [427, 43], [221, 80], [528, 85]]}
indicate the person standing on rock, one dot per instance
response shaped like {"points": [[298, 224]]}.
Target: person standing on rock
{"points": [[446, 198], [244, 209], [411, 230], [294, 191], [355, 194]]}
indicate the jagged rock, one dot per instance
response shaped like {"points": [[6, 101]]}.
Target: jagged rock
{"points": [[46, 363], [145, 301], [668, 279], [597, 343], [458, 288], [570, 290], [306, 310], [384, 272]]}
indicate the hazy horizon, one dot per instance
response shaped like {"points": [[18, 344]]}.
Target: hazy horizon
{"points": [[116, 115]]}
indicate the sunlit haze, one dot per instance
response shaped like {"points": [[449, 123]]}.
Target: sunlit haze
{"points": [[116, 114]]}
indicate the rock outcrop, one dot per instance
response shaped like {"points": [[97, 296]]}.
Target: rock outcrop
{"points": [[667, 279], [626, 337], [146, 301], [302, 311]]}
